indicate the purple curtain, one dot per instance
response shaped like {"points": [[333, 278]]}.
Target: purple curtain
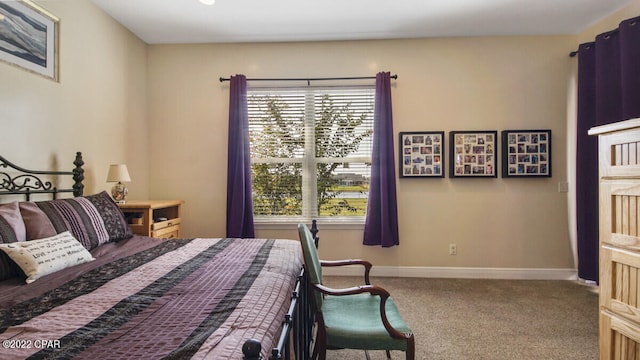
{"points": [[381, 224], [608, 91], [239, 203]]}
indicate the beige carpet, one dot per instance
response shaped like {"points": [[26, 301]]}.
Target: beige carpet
{"points": [[460, 319]]}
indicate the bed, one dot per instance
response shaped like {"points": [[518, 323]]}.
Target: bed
{"points": [[76, 283]]}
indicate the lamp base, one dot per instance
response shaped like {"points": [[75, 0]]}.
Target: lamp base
{"points": [[119, 193]]}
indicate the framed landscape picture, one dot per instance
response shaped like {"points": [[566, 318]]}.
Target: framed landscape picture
{"points": [[526, 153], [29, 37], [473, 153], [422, 154]]}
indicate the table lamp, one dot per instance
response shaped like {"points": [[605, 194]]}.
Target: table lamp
{"points": [[118, 173]]}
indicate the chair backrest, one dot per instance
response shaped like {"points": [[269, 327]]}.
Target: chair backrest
{"points": [[311, 259]]}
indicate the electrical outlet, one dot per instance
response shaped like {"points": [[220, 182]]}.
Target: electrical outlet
{"points": [[453, 249]]}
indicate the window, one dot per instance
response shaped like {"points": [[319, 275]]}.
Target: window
{"points": [[310, 151]]}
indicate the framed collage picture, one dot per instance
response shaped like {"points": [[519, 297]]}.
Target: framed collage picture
{"points": [[526, 153], [472, 153], [422, 154]]}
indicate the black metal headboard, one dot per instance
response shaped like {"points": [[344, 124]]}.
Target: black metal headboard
{"points": [[28, 182]]}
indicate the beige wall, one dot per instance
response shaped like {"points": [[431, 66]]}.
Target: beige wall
{"points": [[444, 84], [98, 107], [162, 110]]}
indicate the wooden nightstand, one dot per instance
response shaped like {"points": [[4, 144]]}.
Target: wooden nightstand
{"points": [[154, 218]]}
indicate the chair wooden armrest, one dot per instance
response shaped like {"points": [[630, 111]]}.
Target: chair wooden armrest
{"points": [[371, 289], [374, 291], [367, 266]]}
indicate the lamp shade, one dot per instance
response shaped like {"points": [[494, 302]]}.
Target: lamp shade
{"points": [[118, 173]]}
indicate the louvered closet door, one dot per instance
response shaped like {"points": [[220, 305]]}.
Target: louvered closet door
{"points": [[619, 166], [620, 270]]}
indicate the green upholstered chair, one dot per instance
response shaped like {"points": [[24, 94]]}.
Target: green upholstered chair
{"points": [[362, 317]]}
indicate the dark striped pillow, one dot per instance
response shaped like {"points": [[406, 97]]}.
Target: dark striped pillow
{"points": [[11, 230], [93, 220]]}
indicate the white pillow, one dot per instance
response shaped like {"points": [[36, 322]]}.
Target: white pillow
{"points": [[38, 258]]}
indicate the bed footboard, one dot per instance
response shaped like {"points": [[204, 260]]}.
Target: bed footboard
{"points": [[297, 327]]}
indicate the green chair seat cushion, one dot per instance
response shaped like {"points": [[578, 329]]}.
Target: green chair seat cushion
{"points": [[351, 323]]}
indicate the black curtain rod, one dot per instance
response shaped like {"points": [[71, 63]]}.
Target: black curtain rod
{"points": [[573, 53], [395, 76]]}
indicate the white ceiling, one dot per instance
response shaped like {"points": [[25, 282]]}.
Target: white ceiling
{"points": [[189, 21]]}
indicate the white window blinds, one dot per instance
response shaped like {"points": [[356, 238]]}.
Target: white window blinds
{"points": [[311, 151]]}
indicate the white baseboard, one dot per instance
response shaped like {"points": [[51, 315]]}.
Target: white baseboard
{"points": [[456, 272]]}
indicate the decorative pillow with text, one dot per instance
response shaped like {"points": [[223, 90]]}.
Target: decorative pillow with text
{"points": [[38, 258]]}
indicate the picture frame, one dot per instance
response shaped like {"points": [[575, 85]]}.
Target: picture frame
{"points": [[526, 153], [473, 154], [30, 38], [422, 154]]}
